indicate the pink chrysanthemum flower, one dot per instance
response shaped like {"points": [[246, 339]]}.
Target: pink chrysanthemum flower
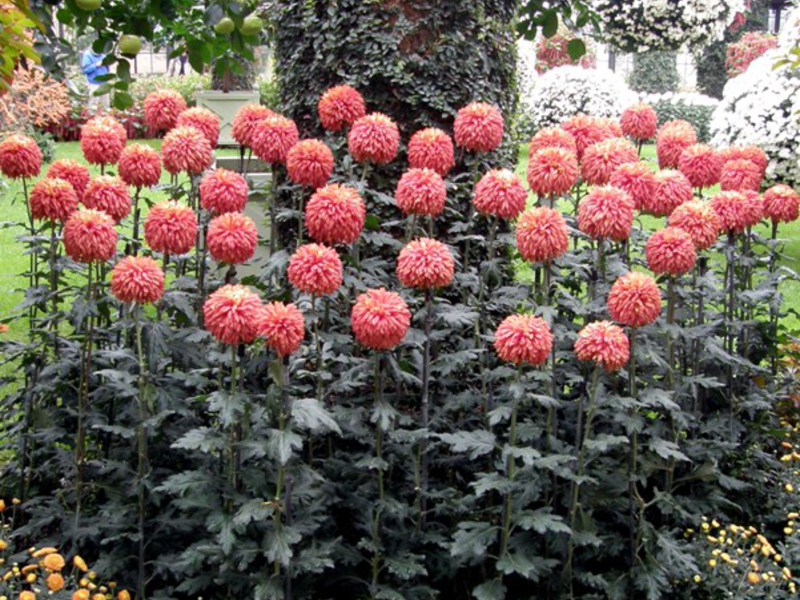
{"points": [[380, 319], [421, 192], [72, 172], [103, 140], [310, 163], [672, 139], [523, 339], [161, 109], [670, 251], [232, 238], [186, 149], [586, 131], [500, 193], [639, 122], [20, 157], [740, 175], [732, 211], [223, 191], [701, 164], [204, 120], [431, 148], [752, 153], [638, 180], [671, 190], [340, 107], [282, 326], [754, 208], [89, 236], [272, 138], [604, 344], [552, 137], [600, 160], [612, 126], [53, 200], [606, 213], [542, 235], [479, 127], [335, 214], [552, 171], [315, 269], [373, 139], [699, 220], [781, 204], [425, 264], [140, 166], [232, 315], [109, 194], [634, 300], [170, 228], [137, 279], [245, 120]]}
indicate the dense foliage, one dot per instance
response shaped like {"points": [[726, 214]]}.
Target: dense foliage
{"points": [[654, 72], [696, 109]]}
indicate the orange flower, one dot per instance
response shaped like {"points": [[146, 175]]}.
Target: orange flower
{"points": [[500, 193], [672, 139], [140, 166], [203, 119], [586, 131], [606, 213], [754, 208], [523, 339], [781, 204], [373, 139], [425, 264], [380, 319], [670, 251], [315, 269], [335, 214], [600, 160], [638, 180], [137, 279], [55, 582], [81, 595], [752, 153], [542, 235], [672, 189], [309, 163], [340, 107], [552, 137], [161, 109], [53, 200], [740, 175], [634, 300], [54, 562], [72, 172], [109, 194], [272, 138], [232, 238], [639, 122], [89, 236], [552, 171], [170, 228], [223, 191], [282, 326], [699, 220], [421, 192], [232, 314], [186, 149], [604, 344], [479, 127], [27, 595], [20, 157], [245, 120], [103, 140], [732, 211], [431, 148], [701, 164]]}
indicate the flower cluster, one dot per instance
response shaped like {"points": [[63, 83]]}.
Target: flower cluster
{"points": [[740, 54], [552, 52]]}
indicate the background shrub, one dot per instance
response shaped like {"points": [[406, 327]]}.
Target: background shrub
{"points": [[694, 108], [654, 72], [187, 86]]}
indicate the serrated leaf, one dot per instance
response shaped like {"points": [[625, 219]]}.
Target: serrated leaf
{"points": [[471, 539], [476, 443], [491, 590], [310, 414]]}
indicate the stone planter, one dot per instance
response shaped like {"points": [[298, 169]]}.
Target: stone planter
{"points": [[226, 105]]}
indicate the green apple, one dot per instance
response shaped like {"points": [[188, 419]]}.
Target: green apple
{"points": [[251, 25], [88, 5], [225, 26], [130, 45]]}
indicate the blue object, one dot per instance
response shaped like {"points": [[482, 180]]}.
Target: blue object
{"points": [[93, 67]]}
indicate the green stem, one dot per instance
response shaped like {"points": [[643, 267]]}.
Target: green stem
{"points": [[510, 474], [142, 461], [425, 408], [376, 519]]}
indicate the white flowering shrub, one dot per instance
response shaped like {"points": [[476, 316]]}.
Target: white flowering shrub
{"points": [[688, 106], [760, 107]]}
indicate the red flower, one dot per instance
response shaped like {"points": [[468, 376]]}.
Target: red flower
{"points": [[223, 191], [161, 109], [754, 208], [186, 149], [103, 140], [606, 213], [479, 127], [282, 326], [203, 119], [739, 175], [542, 235], [272, 138], [672, 189], [552, 171], [72, 172], [586, 131], [752, 153], [335, 214], [232, 315], [89, 236], [315, 269], [53, 200], [380, 319], [698, 219], [421, 192], [245, 120], [701, 164], [604, 344], [638, 180], [309, 163], [634, 300], [232, 238], [673, 138], [109, 194], [137, 279], [781, 204], [140, 166], [732, 211], [170, 228], [639, 122], [523, 339], [552, 137], [600, 160], [424, 264], [612, 126], [500, 193], [20, 157], [670, 251], [340, 107], [431, 148], [373, 139]]}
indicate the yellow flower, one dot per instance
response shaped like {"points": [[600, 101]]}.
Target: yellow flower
{"points": [[44, 552], [712, 563], [54, 562], [26, 595], [697, 579], [3, 545], [81, 595], [753, 578], [55, 582], [789, 488], [123, 595], [30, 577], [80, 564]]}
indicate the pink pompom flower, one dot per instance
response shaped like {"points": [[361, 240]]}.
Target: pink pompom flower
{"points": [[479, 127], [186, 149], [523, 339], [339, 107], [425, 264], [137, 279], [103, 140], [431, 148], [109, 194], [701, 164], [380, 319], [542, 235], [232, 238], [232, 315], [552, 137], [781, 204], [89, 236], [309, 163], [53, 200], [670, 251], [740, 175], [161, 109], [315, 269], [203, 119], [552, 172], [335, 214], [374, 138], [638, 179], [272, 138], [634, 300], [672, 189], [170, 228], [604, 344], [732, 211], [244, 122], [699, 220], [20, 157], [639, 122], [282, 326], [672, 139], [606, 213], [600, 160], [500, 193], [223, 191], [140, 166]]}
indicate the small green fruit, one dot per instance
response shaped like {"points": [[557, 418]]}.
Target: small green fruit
{"points": [[130, 45], [88, 5], [251, 25], [225, 26]]}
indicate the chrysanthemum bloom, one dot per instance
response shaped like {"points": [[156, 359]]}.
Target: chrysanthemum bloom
{"points": [[335, 214], [672, 139], [634, 300], [137, 279], [161, 109], [606, 213], [170, 228], [701, 164], [754, 208], [232, 238], [20, 157], [552, 137], [72, 172], [272, 138], [752, 153], [600, 160], [186, 149], [638, 180], [89, 236], [380, 319], [232, 314], [500, 193], [781, 204], [282, 326], [203, 119], [140, 166], [223, 191], [612, 126], [54, 562], [605, 344], [339, 107], [53, 200], [586, 131], [479, 127], [55, 582], [523, 339], [421, 192], [698, 219], [103, 140], [309, 163], [670, 251], [431, 148], [245, 120], [373, 139], [739, 175], [109, 194], [425, 264], [639, 122], [732, 211], [542, 234], [315, 269], [552, 171], [671, 190]]}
